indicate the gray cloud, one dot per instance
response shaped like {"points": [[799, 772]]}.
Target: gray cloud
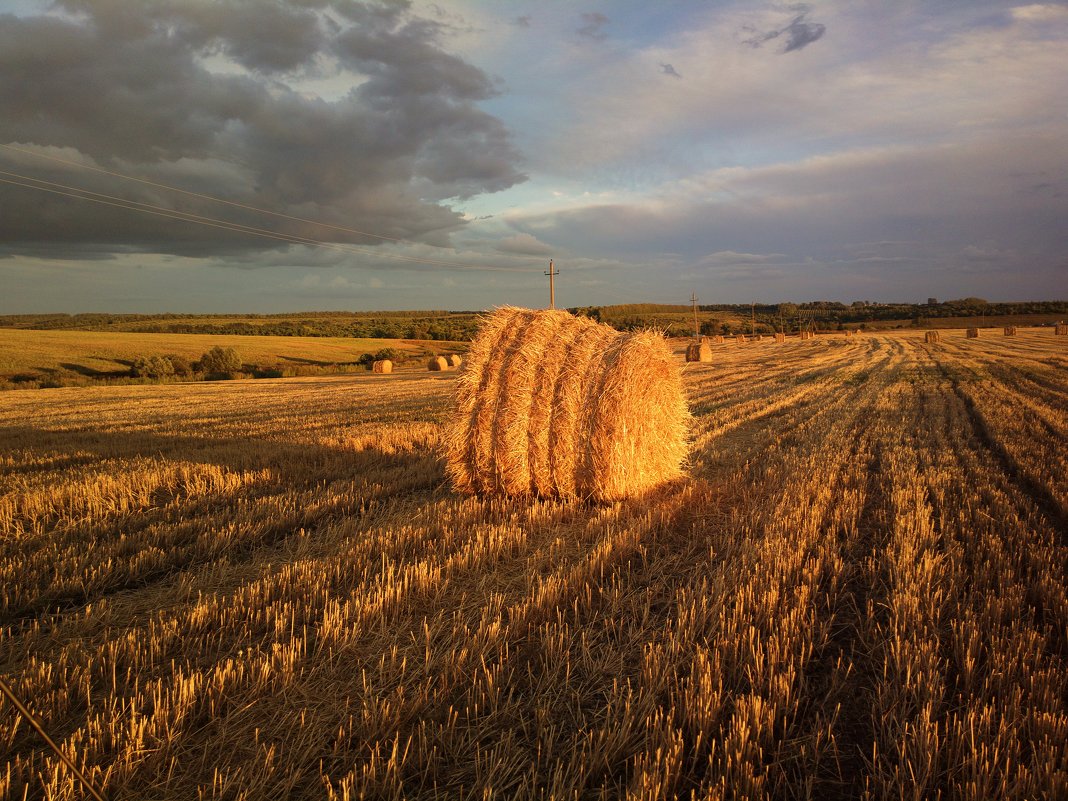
{"points": [[522, 22], [593, 26], [798, 33], [524, 245], [668, 69], [140, 90]]}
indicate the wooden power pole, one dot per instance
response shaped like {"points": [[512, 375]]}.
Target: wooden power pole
{"points": [[552, 287]]}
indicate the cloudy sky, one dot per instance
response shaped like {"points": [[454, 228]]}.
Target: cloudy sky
{"points": [[284, 155]]}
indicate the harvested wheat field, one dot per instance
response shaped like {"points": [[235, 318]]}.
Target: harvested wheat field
{"points": [[268, 589]]}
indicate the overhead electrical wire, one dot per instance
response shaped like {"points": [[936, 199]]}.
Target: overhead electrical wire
{"points": [[147, 208]]}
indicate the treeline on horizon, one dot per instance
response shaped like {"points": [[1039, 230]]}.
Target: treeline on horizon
{"points": [[674, 319]]}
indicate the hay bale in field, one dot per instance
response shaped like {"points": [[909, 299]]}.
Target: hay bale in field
{"points": [[705, 340], [554, 405], [719, 339], [973, 333], [780, 337], [1010, 330], [437, 364], [382, 366], [1061, 330], [931, 337], [807, 335], [455, 360], [739, 339], [698, 352]]}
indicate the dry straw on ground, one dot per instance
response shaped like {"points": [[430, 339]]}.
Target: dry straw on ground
{"points": [[382, 366], [973, 333], [699, 352], [438, 363], [554, 405], [1010, 330], [931, 337], [455, 360]]}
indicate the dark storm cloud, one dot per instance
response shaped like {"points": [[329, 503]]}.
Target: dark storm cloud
{"points": [[593, 26], [137, 89], [798, 33]]}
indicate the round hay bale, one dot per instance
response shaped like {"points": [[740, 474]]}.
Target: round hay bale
{"points": [[973, 333], [1010, 330], [699, 352], [455, 360], [437, 363], [554, 405], [931, 337], [382, 366], [1061, 330], [780, 337]]}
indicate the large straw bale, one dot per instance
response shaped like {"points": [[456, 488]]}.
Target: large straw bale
{"points": [[973, 333], [739, 339], [382, 366], [698, 352], [437, 364], [553, 405], [455, 360], [1061, 329], [931, 337], [1010, 330], [780, 337]]}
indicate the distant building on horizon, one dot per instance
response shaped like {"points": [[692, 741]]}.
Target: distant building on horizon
{"points": [[932, 301]]}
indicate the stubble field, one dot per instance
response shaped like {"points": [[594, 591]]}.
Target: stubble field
{"points": [[265, 590]]}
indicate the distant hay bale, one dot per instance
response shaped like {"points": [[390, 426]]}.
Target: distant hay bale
{"points": [[719, 339], [931, 337], [382, 366], [1010, 330], [973, 333], [806, 335], [1061, 330], [780, 337], [437, 364], [455, 360], [698, 352], [554, 405], [705, 340], [739, 339]]}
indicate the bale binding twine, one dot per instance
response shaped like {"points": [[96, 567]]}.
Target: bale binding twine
{"points": [[552, 405]]}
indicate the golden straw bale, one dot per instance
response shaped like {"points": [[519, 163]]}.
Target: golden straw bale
{"points": [[705, 340], [698, 352], [382, 366], [973, 333], [455, 360], [739, 339], [780, 337], [1010, 330], [719, 339], [1061, 330], [931, 337], [553, 405], [438, 363]]}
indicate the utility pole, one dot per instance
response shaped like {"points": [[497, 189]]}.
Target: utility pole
{"points": [[752, 324], [696, 329], [552, 288]]}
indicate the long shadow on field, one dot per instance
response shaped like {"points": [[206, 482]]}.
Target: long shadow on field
{"points": [[295, 464], [302, 473]]}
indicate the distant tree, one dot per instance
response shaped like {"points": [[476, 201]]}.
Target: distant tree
{"points": [[182, 366], [219, 361], [152, 367]]}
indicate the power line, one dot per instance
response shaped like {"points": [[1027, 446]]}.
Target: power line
{"points": [[203, 196], [147, 208]]}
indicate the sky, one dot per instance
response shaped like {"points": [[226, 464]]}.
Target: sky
{"points": [[224, 156]]}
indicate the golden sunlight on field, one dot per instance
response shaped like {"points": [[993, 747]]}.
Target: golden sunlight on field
{"points": [[267, 590]]}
